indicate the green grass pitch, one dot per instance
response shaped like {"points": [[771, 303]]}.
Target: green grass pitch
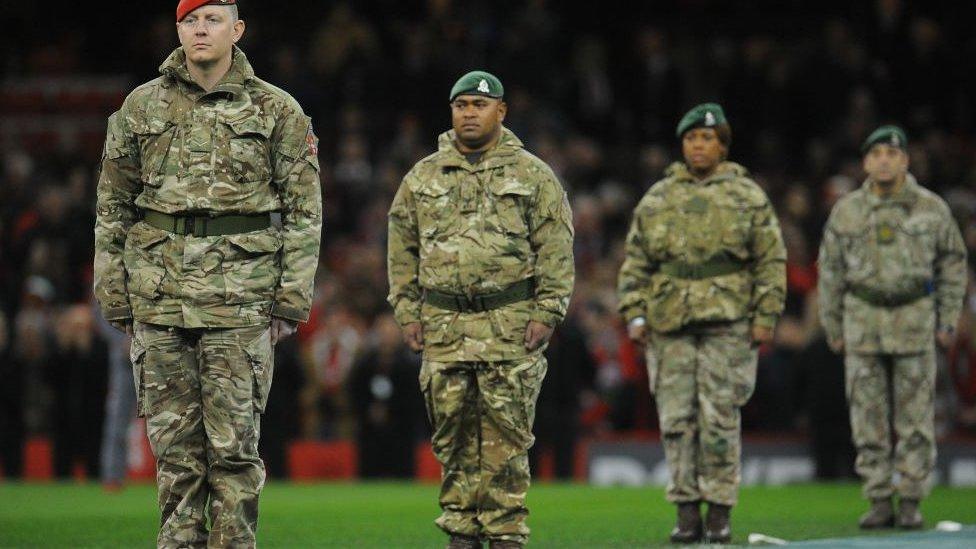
{"points": [[387, 514]]}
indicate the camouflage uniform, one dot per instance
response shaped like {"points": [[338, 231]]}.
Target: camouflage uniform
{"points": [[476, 229], [905, 250], [201, 354], [704, 262]]}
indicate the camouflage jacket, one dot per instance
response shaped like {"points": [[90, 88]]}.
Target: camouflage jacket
{"points": [[890, 245], [726, 217], [245, 147], [475, 229]]}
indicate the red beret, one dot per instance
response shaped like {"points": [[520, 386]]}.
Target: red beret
{"points": [[186, 6]]}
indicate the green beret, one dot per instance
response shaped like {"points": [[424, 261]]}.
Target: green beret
{"points": [[706, 115], [478, 83], [888, 135]]}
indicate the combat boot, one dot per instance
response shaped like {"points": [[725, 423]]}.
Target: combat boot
{"points": [[688, 529], [463, 542], [504, 544], [880, 515], [718, 529], [909, 516]]}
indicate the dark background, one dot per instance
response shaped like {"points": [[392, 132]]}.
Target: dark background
{"points": [[595, 89]]}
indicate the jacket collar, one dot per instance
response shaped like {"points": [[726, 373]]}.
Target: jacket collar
{"points": [[503, 153], [906, 196], [724, 172], [233, 82]]}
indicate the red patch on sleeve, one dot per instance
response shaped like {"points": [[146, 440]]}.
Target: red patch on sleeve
{"points": [[312, 141]]}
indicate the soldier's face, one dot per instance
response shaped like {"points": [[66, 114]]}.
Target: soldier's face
{"points": [[477, 119], [702, 149], [208, 34], [885, 164]]}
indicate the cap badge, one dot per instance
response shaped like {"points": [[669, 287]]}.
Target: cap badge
{"points": [[483, 86], [709, 118]]}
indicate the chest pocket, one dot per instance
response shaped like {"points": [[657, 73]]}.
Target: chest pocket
{"points": [[437, 211], [507, 209], [661, 242], [920, 235], [733, 220], [249, 141], [857, 239], [155, 137]]}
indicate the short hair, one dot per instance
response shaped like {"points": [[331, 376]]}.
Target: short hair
{"points": [[724, 133]]}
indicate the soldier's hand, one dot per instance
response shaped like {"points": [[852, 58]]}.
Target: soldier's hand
{"points": [[282, 329], [124, 326], [413, 335], [945, 338], [836, 345], [536, 335], [761, 335], [637, 333]]}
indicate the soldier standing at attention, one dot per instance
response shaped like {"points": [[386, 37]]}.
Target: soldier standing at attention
{"points": [[892, 280], [191, 260], [481, 270], [702, 285]]}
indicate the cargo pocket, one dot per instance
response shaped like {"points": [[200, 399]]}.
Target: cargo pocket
{"points": [[260, 355], [250, 149], [509, 323], [424, 379], [144, 260], [650, 360], [137, 356], [743, 361], [528, 377], [251, 270]]}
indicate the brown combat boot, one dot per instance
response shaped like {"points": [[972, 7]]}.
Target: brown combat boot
{"points": [[463, 542], [909, 516], [880, 515], [504, 544], [718, 529], [688, 529]]}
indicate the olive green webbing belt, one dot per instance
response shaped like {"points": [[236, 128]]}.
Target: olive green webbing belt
{"points": [[519, 291], [699, 271], [199, 226], [882, 298]]}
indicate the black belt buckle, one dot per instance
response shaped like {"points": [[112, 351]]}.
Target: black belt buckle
{"points": [[888, 299], [199, 225], [194, 226], [474, 304]]}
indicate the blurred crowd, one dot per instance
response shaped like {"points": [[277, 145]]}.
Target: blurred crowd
{"points": [[595, 91]]}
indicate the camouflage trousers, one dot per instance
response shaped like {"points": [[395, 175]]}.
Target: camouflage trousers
{"points": [[701, 376], [202, 392], [482, 416], [892, 389]]}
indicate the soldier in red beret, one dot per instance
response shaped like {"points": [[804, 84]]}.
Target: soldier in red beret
{"points": [[207, 234]]}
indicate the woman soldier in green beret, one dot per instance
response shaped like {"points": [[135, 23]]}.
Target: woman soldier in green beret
{"points": [[702, 286]]}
